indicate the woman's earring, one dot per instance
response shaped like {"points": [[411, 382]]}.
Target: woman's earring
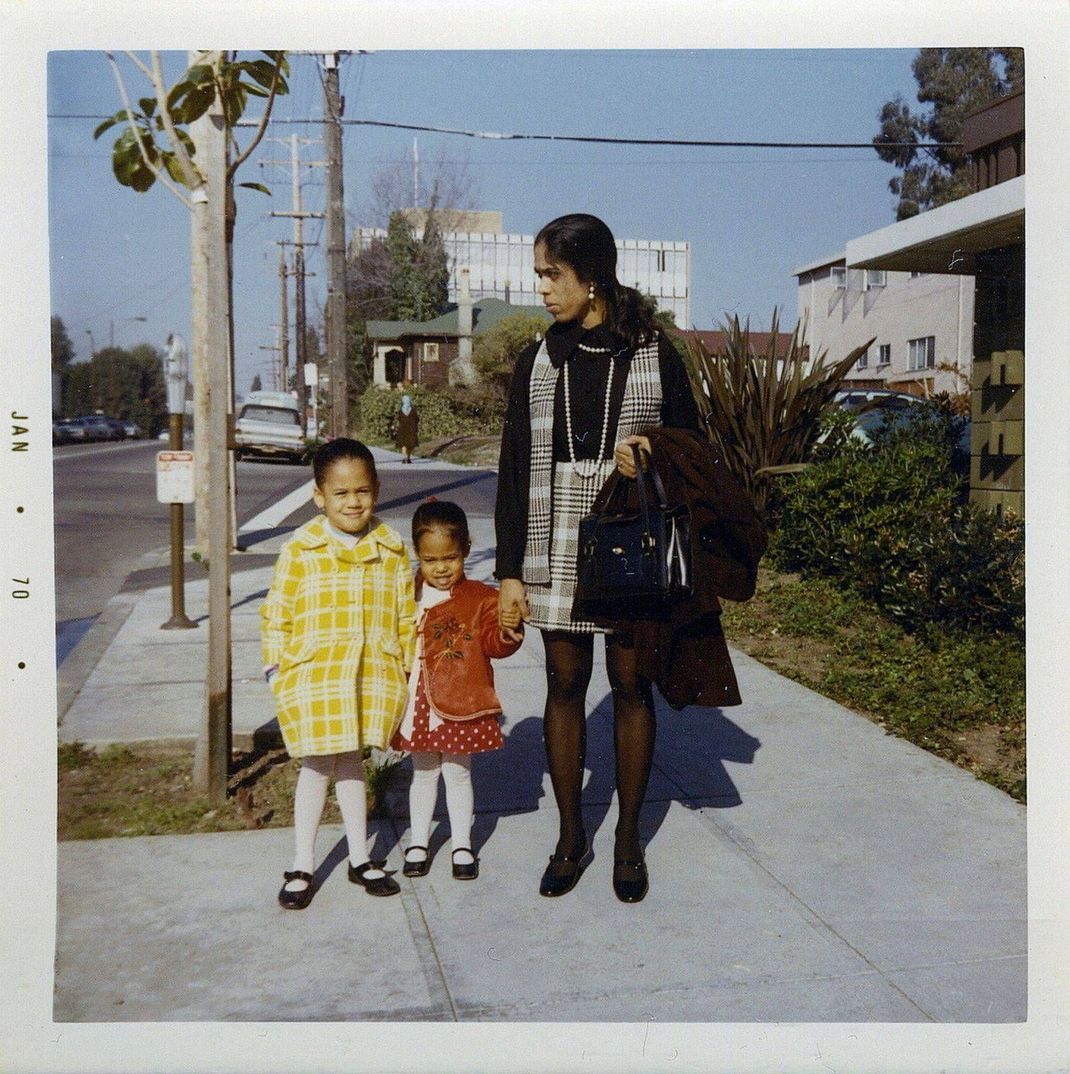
{"points": [[590, 293]]}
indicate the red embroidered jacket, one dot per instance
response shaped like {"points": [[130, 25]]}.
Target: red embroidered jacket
{"points": [[460, 636]]}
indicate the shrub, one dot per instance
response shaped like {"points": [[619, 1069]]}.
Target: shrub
{"points": [[494, 353], [453, 411], [763, 411], [891, 522]]}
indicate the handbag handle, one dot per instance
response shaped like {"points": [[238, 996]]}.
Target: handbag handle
{"points": [[644, 505], [609, 493]]}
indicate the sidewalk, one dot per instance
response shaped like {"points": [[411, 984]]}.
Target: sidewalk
{"points": [[804, 866]]}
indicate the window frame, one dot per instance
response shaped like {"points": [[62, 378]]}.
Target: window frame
{"points": [[929, 361]]}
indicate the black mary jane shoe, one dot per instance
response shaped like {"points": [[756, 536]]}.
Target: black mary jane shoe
{"points": [[295, 900], [465, 870], [416, 868], [376, 885], [560, 881], [630, 880]]}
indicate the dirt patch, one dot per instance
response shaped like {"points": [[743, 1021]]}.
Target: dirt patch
{"points": [[145, 789]]}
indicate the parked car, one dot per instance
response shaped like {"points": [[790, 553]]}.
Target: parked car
{"points": [[62, 432], [269, 424], [132, 430], [90, 427], [879, 398]]}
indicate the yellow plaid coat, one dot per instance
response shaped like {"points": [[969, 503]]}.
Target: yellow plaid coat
{"points": [[340, 623]]}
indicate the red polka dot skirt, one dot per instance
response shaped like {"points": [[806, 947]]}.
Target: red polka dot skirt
{"points": [[451, 736]]}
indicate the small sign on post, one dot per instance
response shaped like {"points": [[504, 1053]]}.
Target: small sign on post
{"points": [[174, 476]]}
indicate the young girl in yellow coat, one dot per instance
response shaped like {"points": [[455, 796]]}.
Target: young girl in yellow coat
{"points": [[338, 630]]}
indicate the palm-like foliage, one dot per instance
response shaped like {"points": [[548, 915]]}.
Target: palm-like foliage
{"points": [[762, 411]]}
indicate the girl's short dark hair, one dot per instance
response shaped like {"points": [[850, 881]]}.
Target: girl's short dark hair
{"points": [[342, 447], [586, 245], [440, 515]]}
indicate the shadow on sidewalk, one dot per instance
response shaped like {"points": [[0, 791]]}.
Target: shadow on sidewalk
{"points": [[689, 767]]}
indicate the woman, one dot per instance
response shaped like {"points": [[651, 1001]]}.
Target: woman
{"points": [[406, 428], [578, 401]]}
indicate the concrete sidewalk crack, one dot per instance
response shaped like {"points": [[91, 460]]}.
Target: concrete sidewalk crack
{"points": [[426, 951]]}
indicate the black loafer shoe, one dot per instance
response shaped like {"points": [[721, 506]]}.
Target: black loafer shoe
{"points": [[416, 868], [296, 900], [376, 885], [563, 872], [465, 871], [630, 880]]}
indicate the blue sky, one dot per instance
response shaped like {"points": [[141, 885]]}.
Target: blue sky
{"points": [[751, 215]]}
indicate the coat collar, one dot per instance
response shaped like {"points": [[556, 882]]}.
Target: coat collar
{"points": [[563, 339], [316, 534]]}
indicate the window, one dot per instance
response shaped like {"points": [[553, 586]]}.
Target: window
{"points": [[884, 354], [876, 278], [661, 260], [915, 275], [839, 276], [430, 352], [863, 359], [922, 353]]}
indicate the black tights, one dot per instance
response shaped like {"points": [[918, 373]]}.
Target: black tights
{"points": [[569, 659]]}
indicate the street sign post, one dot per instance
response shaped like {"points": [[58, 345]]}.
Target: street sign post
{"points": [[174, 478]]}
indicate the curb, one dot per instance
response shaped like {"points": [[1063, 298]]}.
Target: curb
{"points": [[79, 664]]}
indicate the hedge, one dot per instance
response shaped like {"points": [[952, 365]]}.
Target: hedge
{"points": [[892, 522], [452, 411]]}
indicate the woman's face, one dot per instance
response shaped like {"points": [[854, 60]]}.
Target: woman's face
{"points": [[564, 294]]}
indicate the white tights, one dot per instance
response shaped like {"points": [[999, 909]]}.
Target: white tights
{"points": [[456, 770], [310, 798]]}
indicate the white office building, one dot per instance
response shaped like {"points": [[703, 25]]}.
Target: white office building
{"points": [[501, 264]]}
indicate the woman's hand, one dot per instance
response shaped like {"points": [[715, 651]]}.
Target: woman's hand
{"points": [[512, 608], [622, 453]]}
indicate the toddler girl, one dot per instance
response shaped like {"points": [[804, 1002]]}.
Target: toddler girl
{"points": [[453, 710], [338, 634]]}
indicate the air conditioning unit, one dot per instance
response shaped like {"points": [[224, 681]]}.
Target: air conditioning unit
{"points": [[839, 277], [876, 278]]}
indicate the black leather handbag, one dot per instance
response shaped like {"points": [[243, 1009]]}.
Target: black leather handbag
{"points": [[632, 564]]}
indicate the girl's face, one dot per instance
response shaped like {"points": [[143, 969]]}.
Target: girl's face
{"points": [[348, 495], [441, 558], [564, 294]]}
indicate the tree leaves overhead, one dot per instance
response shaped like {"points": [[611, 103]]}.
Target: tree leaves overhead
{"points": [[954, 82], [188, 100]]}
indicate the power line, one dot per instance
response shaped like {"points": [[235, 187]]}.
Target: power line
{"points": [[590, 138]]}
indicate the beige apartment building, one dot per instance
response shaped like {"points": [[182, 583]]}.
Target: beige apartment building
{"points": [[921, 324]]}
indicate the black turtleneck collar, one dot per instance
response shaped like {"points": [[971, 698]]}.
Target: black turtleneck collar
{"points": [[563, 339]]}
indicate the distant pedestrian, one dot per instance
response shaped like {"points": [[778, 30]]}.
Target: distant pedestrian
{"points": [[407, 428], [453, 711], [338, 633]]}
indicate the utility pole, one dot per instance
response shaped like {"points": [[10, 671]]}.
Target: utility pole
{"points": [[284, 325], [212, 757], [335, 317], [274, 367], [299, 215]]}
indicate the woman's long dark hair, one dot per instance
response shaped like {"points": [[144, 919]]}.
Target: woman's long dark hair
{"points": [[586, 245]]}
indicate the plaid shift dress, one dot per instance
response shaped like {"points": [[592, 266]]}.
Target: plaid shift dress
{"points": [[571, 495]]}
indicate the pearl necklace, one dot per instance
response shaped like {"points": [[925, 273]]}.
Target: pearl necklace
{"points": [[577, 467]]}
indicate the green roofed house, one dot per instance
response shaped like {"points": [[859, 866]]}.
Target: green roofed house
{"points": [[437, 352]]}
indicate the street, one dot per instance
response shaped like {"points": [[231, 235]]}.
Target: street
{"points": [[107, 517]]}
